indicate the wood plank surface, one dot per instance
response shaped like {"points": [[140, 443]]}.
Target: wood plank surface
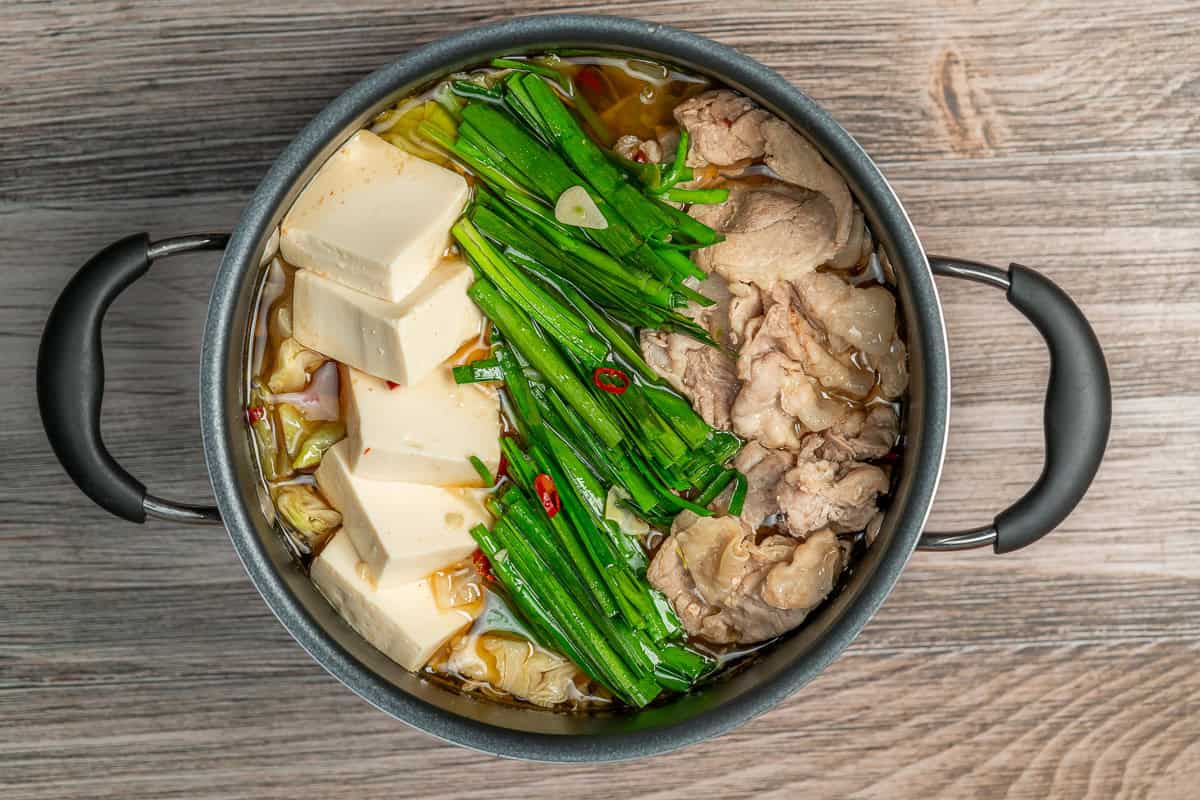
{"points": [[138, 662]]}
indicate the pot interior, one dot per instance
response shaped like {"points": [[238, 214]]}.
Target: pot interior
{"points": [[517, 730]]}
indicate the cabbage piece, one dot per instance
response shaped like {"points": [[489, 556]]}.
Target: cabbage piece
{"points": [[262, 426], [314, 447], [293, 364], [399, 127], [294, 428], [311, 521], [273, 289], [319, 399], [522, 669]]}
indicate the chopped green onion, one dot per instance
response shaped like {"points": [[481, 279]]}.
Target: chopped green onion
{"points": [[485, 474], [478, 371], [518, 329], [739, 496], [705, 197]]}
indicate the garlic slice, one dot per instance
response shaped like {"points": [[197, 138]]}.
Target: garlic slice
{"points": [[576, 207]]}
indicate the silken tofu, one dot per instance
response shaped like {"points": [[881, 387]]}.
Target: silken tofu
{"points": [[402, 621], [423, 433], [374, 218], [402, 531], [400, 342]]}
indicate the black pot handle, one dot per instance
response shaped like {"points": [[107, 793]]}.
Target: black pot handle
{"points": [[70, 377], [1078, 409]]}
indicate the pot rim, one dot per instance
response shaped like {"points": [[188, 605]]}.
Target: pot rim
{"points": [[224, 333]]}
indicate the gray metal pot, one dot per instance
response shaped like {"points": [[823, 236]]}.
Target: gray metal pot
{"points": [[70, 389]]}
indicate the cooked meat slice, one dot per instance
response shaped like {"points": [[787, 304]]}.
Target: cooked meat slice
{"points": [[863, 317], [705, 375], [815, 486], [763, 468], [799, 378], [714, 318], [794, 159], [785, 328], [811, 574], [863, 434], [757, 411], [727, 589], [811, 407], [820, 494], [724, 127], [772, 232], [745, 304]]}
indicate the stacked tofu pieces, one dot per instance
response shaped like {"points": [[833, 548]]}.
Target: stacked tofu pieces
{"points": [[376, 292]]}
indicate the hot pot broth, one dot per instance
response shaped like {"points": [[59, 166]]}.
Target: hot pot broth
{"points": [[734, 514]]}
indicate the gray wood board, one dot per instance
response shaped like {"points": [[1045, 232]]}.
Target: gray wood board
{"points": [[138, 661]]}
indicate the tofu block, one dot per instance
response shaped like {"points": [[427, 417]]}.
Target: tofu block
{"points": [[400, 342], [402, 531], [423, 433], [402, 621], [374, 218]]}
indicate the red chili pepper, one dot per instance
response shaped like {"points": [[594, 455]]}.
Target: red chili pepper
{"points": [[543, 487], [392, 385], [482, 565], [611, 380], [588, 79], [502, 468], [640, 157], [255, 414]]}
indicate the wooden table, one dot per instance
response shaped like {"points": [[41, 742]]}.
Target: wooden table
{"points": [[139, 661]]}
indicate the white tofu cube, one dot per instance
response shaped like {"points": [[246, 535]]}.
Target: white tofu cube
{"points": [[423, 433], [401, 342], [402, 531], [402, 621], [374, 218]]}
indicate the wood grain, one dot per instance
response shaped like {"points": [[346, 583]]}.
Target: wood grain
{"points": [[138, 662]]}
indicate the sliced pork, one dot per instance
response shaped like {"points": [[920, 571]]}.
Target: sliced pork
{"points": [[863, 317], [730, 590], [724, 128], [763, 468], [705, 375], [806, 491], [840, 496], [772, 231], [862, 434], [794, 159]]}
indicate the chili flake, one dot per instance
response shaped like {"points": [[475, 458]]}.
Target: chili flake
{"points": [[482, 565], [543, 487]]}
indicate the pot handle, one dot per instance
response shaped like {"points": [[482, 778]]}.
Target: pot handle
{"points": [[1078, 409], [70, 377]]}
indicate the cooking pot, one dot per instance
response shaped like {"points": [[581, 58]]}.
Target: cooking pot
{"points": [[70, 376]]}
